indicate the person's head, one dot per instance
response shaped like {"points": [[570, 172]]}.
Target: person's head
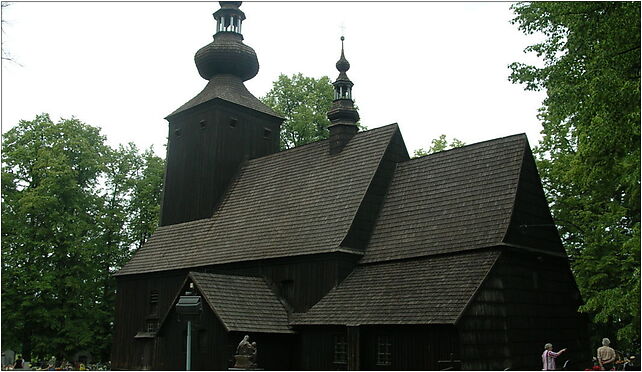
{"points": [[548, 346], [606, 341]]}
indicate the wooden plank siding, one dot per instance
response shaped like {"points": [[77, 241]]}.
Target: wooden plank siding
{"points": [[413, 347], [132, 311], [206, 146], [309, 278], [525, 302]]}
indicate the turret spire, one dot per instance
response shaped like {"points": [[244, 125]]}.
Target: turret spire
{"points": [[342, 114]]}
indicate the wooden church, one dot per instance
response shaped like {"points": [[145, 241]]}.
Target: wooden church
{"points": [[343, 253]]}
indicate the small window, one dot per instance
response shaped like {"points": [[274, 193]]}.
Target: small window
{"points": [[340, 349], [202, 123], [151, 326], [153, 302], [384, 351], [177, 132], [267, 133], [233, 122]]}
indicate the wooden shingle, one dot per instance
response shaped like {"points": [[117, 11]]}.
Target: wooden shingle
{"points": [[296, 202], [450, 201], [243, 304], [422, 291]]}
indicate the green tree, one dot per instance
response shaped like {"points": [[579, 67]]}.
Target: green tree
{"points": [[49, 214], [71, 216], [437, 145], [303, 102], [589, 156]]}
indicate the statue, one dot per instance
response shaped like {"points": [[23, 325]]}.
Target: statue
{"points": [[245, 354]]}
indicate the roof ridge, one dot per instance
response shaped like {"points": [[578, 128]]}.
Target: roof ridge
{"points": [[291, 149], [467, 146]]}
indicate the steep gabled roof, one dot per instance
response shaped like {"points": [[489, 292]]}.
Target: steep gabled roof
{"points": [[244, 304], [296, 202], [450, 201], [433, 290]]}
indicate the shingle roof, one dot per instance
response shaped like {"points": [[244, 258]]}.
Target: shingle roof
{"points": [[229, 88], [299, 201], [449, 201], [243, 303], [432, 290]]}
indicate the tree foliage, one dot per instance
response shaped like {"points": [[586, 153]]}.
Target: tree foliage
{"points": [[73, 209], [437, 145], [589, 157], [304, 103]]}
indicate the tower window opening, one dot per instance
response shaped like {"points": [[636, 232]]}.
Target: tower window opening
{"points": [[267, 132], [233, 122]]}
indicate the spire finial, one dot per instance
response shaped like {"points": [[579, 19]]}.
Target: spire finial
{"points": [[342, 64]]}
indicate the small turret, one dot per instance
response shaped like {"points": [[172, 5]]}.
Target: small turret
{"points": [[342, 114]]}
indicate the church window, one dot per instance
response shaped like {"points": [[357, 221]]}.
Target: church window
{"points": [[233, 122], [177, 132], [202, 123], [340, 349], [152, 325], [267, 133], [153, 302], [384, 347]]}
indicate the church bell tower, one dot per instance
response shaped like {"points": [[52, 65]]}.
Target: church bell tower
{"points": [[214, 132]]}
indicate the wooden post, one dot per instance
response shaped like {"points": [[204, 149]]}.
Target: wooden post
{"points": [[354, 345]]}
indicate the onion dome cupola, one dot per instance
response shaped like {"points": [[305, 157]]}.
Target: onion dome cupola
{"points": [[227, 54], [226, 63], [343, 115]]}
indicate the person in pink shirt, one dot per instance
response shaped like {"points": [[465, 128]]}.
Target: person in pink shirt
{"points": [[549, 356]]}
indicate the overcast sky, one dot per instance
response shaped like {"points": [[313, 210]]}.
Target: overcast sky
{"points": [[434, 68]]}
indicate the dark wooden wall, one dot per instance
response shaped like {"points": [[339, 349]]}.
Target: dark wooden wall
{"points": [[209, 344], [526, 301], [132, 313], [413, 347], [213, 348], [206, 145], [306, 279]]}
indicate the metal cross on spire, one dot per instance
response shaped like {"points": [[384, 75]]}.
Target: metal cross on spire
{"points": [[342, 26]]}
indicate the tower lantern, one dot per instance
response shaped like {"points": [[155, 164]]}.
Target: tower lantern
{"points": [[343, 115], [229, 18]]}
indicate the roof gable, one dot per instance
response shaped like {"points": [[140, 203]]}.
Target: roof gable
{"points": [[296, 202], [531, 223], [242, 303], [449, 201], [434, 290]]}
